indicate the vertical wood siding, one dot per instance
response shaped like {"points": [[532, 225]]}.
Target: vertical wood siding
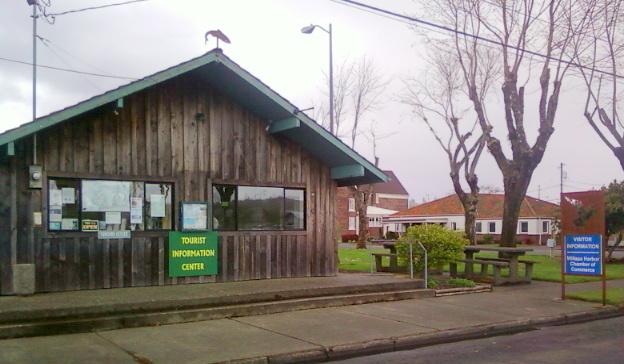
{"points": [[158, 135]]}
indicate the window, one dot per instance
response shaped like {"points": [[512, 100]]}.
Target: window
{"points": [[545, 226], [224, 207], [351, 204], [492, 227], [524, 226], [454, 225], [352, 223], [257, 208], [91, 205], [294, 210], [478, 227], [63, 205]]}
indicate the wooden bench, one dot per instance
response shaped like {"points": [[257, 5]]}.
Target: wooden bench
{"points": [[393, 262], [497, 266], [528, 266]]}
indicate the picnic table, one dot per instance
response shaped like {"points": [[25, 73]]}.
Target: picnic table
{"points": [[508, 258], [394, 265]]}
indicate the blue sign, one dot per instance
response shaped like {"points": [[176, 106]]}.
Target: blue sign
{"points": [[583, 254]]}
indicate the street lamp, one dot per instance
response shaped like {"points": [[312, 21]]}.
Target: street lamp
{"points": [[308, 30]]}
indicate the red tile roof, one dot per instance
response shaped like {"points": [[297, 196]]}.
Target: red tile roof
{"points": [[490, 206], [393, 186]]}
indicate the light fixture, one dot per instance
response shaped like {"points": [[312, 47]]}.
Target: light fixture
{"points": [[308, 29]]}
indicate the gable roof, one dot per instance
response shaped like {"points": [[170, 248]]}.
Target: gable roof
{"points": [[392, 186], [220, 72], [490, 207]]}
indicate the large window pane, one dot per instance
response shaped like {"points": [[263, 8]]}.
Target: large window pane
{"points": [[294, 214], [106, 204], [158, 206], [224, 207], [63, 202], [260, 208]]}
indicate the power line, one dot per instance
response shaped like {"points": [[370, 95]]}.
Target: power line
{"points": [[401, 17], [53, 15], [69, 70]]}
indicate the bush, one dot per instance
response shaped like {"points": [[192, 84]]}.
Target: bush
{"points": [[432, 283], [487, 239], [443, 246], [391, 235], [349, 238], [461, 282]]}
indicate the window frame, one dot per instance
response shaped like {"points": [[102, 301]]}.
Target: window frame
{"points": [[521, 229], [351, 204], [478, 227], [79, 178], [490, 224], [546, 224], [236, 206]]}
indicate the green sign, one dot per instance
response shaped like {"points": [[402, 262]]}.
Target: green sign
{"points": [[193, 254]]}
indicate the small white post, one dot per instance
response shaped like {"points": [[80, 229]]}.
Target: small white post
{"points": [[411, 261]]}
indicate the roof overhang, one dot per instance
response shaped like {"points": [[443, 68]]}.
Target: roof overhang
{"points": [[220, 72]]}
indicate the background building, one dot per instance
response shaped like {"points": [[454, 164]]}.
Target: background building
{"points": [[535, 224], [389, 198]]}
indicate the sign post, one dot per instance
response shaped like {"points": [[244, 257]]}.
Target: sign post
{"points": [[583, 255], [583, 224]]}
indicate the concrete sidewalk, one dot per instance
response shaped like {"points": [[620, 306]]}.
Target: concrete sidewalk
{"points": [[317, 333]]}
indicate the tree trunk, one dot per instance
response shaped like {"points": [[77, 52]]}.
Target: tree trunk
{"points": [[361, 195], [469, 229], [611, 250], [516, 181]]}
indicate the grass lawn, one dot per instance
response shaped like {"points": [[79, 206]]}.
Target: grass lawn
{"points": [[615, 296], [358, 260], [546, 269]]}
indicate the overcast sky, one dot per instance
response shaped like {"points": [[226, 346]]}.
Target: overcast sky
{"points": [[140, 39]]}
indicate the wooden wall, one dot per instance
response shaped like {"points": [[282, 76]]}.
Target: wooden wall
{"points": [[157, 136]]}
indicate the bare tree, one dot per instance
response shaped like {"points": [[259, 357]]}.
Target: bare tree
{"points": [[365, 96], [436, 101], [599, 52], [545, 26], [368, 85]]}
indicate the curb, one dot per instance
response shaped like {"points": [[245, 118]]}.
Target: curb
{"points": [[408, 342], [481, 288]]}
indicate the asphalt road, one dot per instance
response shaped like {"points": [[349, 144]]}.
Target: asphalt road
{"points": [[593, 342]]}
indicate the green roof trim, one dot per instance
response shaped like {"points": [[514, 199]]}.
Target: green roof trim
{"points": [[295, 125]]}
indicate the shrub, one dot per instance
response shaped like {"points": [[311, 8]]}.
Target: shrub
{"points": [[487, 239], [461, 282], [432, 283], [349, 237], [443, 246], [391, 235]]}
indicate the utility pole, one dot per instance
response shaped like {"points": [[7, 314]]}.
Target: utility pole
{"points": [[562, 176], [33, 3]]}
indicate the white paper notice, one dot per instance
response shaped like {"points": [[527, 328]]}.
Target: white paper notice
{"points": [[69, 224], [56, 214], [69, 195], [157, 205], [101, 196], [56, 198], [113, 218], [136, 210]]}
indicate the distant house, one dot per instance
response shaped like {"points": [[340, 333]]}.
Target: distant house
{"points": [[535, 224], [389, 198]]}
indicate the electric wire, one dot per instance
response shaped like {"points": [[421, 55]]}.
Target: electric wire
{"points": [[403, 18], [68, 69]]}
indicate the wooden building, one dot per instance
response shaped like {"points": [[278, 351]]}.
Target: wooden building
{"points": [[204, 130]]}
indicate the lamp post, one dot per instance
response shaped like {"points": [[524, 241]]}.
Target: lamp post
{"points": [[308, 30]]}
